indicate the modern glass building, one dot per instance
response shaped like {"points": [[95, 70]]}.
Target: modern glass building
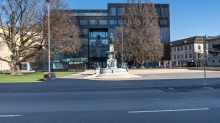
{"points": [[96, 25]]}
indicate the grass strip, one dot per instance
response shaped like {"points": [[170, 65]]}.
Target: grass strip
{"points": [[30, 77]]}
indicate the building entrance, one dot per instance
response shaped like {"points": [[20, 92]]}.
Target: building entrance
{"points": [[98, 45]]}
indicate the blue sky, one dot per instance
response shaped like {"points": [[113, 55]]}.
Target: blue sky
{"points": [[187, 17]]}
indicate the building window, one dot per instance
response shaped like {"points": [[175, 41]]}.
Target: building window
{"points": [[174, 56], [120, 22], [174, 49], [185, 47], [163, 22], [190, 55], [199, 47], [164, 11], [120, 11], [181, 48], [1, 65], [91, 14], [112, 11], [112, 22], [103, 22], [199, 55], [1, 46], [95, 33], [83, 22], [158, 11], [84, 31], [213, 61], [93, 22], [190, 47], [186, 56], [178, 48], [178, 56]]}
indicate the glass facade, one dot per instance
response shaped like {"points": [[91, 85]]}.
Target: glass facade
{"points": [[60, 61], [98, 45], [96, 25]]}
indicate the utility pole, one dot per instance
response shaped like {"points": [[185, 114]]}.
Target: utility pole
{"points": [[48, 5], [204, 50]]}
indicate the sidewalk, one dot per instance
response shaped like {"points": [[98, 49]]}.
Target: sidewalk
{"points": [[141, 71], [151, 79]]}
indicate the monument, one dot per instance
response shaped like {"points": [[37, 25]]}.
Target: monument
{"points": [[112, 71]]}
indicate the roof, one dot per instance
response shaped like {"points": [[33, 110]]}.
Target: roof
{"points": [[214, 38], [190, 40]]}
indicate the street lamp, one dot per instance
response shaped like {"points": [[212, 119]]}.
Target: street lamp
{"points": [[121, 43], [48, 7]]}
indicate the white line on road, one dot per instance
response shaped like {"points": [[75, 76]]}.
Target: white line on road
{"points": [[153, 111], [11, 116]]}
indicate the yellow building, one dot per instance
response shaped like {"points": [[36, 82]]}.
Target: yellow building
{"points": [[4, 53]]}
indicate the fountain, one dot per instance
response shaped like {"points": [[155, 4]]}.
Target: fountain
{"points": [[111, 71]]}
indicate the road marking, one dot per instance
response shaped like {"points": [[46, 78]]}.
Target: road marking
{"points": [[153, 111], [11, 116]]}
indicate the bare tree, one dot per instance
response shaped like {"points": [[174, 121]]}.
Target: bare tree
{"points": [[140, 32], [24, 29], [64, 30], [181, 57]]}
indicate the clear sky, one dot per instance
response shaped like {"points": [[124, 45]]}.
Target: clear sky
{"points": [[187, 17]]}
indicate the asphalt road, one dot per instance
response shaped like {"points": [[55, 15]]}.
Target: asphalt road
{"points": [[144, 106], [151, 99]]}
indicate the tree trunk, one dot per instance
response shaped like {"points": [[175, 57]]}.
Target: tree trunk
{"points": [[15, 70], [142, 66]]}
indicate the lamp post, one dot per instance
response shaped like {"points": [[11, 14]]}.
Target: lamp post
{"points": [[121, 43], [48, 7]]}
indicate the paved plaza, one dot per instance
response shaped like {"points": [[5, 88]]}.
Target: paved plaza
{"points": [[159, 74]]}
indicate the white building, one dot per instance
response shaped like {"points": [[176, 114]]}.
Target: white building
{"points": [[187, 52], [213, 60]]}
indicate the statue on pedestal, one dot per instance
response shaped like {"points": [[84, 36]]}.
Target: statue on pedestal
{"points": [[111, 39]]}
